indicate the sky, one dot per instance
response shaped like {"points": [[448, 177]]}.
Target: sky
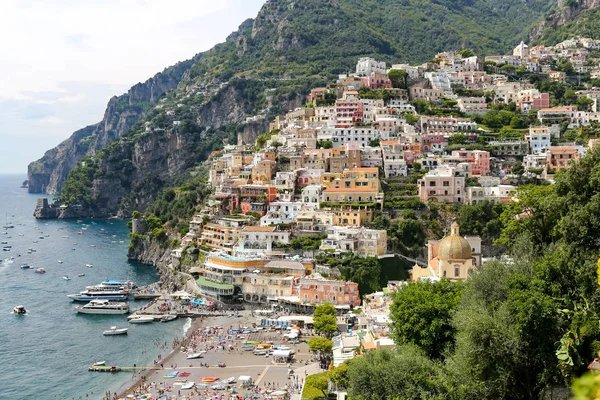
{"points": [[62, 60]]}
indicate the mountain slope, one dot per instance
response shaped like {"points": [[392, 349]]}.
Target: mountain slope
{"points": [[266, 66], [576, 18]]}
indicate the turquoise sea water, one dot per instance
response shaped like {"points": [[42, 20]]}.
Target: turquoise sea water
{"points": [[45, 354]]}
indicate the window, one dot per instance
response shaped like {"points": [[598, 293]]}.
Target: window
{"points": [[432, 183], [446, 183], [456, 271]]}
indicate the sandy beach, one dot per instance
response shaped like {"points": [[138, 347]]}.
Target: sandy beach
{"points": [[150, 382]]}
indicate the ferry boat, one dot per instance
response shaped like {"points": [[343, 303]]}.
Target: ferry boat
{"points": [[103, 307], [105, 295], [114, 283]]}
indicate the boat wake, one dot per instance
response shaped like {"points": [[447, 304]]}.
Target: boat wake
{"points": [[187, 326]]}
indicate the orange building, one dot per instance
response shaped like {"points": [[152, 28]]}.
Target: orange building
{"points": [[318, 290], [558, 158]]}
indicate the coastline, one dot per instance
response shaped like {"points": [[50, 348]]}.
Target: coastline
{"points": [[129, 386]]}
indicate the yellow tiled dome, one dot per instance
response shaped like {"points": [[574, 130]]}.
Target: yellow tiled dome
{"points": [[454, 247]]}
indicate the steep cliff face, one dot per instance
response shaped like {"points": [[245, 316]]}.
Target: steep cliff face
{"points": [[49, 173], [565, 13]]}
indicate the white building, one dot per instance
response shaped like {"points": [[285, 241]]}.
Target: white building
{"points": [[258, 240], [362, 135], [311, 195], [538, 139], [361, 241], [493, 194], [366, 66]]}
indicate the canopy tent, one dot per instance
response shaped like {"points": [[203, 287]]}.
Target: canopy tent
{"points": [[282, 353], [182, 293]]}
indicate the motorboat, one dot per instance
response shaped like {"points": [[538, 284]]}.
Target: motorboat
{"points": [[98, 363], [115, 283], [228, 380], [103, 307], [195, 355], [40, 271], [141, 320], [168, 318], [89, 265], [80, 275], [26, 266], [19, 310], [115, 331], [66, 278], [60, 261], [104, 295]]}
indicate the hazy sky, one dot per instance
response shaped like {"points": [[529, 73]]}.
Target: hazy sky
{"points": [[61, 60]]}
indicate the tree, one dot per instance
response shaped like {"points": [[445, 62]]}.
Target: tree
{"points": [[405, 373], [421, 315], [466, 53], [584, 103], [324, 144], [326, 325], [315, 387], [458, 139], [323, 348], [399, 78], [517, 168], [324, 309]]}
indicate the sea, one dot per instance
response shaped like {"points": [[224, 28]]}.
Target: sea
{"points": [[46, 353]]}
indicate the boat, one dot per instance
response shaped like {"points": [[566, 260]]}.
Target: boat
{"points": [[19, 310], [80, 275], [115, 331], [187, 385], [60, 261], [89, 265], [4, 242], [141, 320], [92, 245], [66, 278], [40, 271], [104, 295], [209, 379], [25, 266], [168, 318], [103, 307], [98, 363], [195, 355], [228, 380], [115, 283]]}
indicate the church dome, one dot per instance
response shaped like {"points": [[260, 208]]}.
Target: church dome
{"points": [[454, 247]]}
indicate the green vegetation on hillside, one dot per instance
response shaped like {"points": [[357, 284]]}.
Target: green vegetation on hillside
{"points": [[586, 24]]}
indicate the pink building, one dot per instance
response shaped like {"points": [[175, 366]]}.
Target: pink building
{"points": [[348, 112], [533, 102], [478, 159], [443, 185], [377, 80], [434, 143]]}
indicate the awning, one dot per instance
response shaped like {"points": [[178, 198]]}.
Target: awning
{"points": [[282, 353]]}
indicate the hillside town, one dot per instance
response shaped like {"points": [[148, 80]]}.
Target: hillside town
{"points": [[461, 129]]}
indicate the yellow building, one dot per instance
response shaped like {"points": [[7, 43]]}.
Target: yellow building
{"points": [[220, 237], [449, 258], [352, 216]]}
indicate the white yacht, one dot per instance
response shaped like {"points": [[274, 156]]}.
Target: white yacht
{"points": [[115, 331], [103, 307], [144, 319]]}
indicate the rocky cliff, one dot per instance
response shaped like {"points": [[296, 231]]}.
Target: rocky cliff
{"points": [[566, 12], [158, 254], [48, 174]]}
